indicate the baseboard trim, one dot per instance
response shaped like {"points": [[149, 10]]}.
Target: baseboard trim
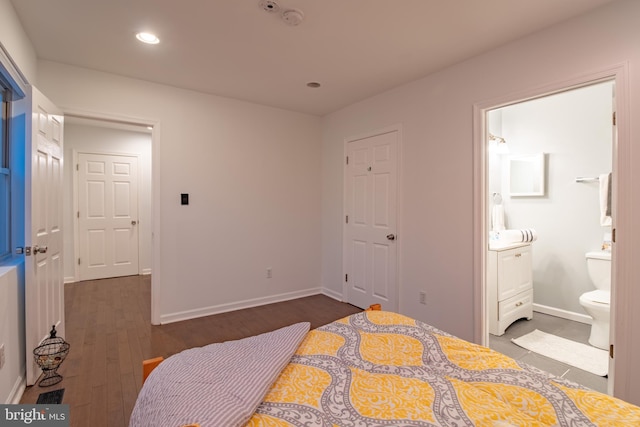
{"points": [[223, 308], [70, 279], [332, 294], [17, 391], [145, 272], [565, 314]]}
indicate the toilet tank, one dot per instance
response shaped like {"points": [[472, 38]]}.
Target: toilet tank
{"points": [[599, 268]]}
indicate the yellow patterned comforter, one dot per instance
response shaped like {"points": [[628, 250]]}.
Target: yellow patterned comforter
{"points": [[383, 369]]}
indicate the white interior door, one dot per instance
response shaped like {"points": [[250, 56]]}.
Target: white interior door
{"points": [[107, 215], [44, 287], [370, 252]]}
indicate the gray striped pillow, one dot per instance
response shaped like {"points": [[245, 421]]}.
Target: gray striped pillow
{"points": [[217, 385]]}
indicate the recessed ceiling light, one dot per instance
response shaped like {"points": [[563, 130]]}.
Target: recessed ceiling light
{"points": [[148, 38], [313, 84]]}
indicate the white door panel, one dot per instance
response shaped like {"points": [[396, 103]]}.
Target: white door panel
{"points": [[44, 288], [381, 271], [95, 251], [370, 203], [107, 215]]}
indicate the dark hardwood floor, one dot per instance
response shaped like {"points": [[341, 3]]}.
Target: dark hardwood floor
{"points": [[109, 328]]}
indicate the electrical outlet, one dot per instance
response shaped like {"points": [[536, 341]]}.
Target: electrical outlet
{"points": [[423, 298], [269, 273], [2, 358]]}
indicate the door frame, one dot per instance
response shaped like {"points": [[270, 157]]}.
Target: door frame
{"points": [[621, 307], [156, 276], [76, 206], [392, 128]]}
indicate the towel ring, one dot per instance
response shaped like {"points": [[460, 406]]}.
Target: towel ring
{"points": [[497, 198]]}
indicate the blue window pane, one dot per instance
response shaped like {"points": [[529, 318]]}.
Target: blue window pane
{"points": [[4, 215], [4, 142], [5, 183]]}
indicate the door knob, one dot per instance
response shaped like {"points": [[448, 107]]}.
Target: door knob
{"points": [[391, 237], [134, 222], [37, 249]]}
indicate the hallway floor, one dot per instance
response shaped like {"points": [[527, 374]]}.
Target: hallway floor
{"points": [[564, 328]]}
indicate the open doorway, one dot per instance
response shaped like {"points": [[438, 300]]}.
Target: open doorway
{"points": [[116, 188], [546, 158], [621, 351]]}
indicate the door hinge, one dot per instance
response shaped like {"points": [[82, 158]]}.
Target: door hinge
{"points": [[77, 166], [347, 219], [78, 261], [614, 118], [346, 277], [611, 351], [347, 159], [78, 215], [613, 235]]}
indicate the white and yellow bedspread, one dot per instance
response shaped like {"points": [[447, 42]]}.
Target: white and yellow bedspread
{"points": [[383, 369]]}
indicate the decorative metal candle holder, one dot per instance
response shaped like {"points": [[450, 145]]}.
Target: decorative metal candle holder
{"points": [[49, 355]]}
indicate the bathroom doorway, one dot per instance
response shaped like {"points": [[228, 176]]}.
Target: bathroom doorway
{"points": [[565, 141]]}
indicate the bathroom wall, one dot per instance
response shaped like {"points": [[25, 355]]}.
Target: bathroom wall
{"points": [[574, 129]]}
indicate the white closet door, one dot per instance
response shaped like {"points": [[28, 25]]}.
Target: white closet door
{"points": [[370, 245], [107, 215]]}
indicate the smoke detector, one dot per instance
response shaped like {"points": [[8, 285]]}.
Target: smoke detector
{"points": [[292, 16], [269, 6]]}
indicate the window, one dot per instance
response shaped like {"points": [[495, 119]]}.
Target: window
{"points": [[5, 181], [13, 87]]}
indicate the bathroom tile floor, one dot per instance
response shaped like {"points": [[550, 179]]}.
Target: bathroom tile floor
{"points": [[553, 325]]}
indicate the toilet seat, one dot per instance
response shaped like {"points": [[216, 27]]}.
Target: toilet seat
{"points": [[598, 296]]}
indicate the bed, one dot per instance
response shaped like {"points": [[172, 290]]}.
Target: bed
{"points": [[373, 368]]}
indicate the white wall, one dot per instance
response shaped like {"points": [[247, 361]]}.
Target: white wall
{"points": [[82, 138], [11, 336], [19, 48], [253, 175], [16, 42], [436, 113], [574, 129]]}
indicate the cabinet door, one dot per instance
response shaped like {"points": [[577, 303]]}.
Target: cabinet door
{"points": [[524, 280], [514, 272]]}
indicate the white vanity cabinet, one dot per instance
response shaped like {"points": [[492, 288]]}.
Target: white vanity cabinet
{"points": [[509, 286]]}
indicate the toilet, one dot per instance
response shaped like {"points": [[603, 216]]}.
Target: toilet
{"points": [[597, 303]]}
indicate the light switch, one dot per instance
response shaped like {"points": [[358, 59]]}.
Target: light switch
{"points": [[184, 198]]}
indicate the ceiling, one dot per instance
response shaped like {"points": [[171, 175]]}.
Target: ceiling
{"points": [[234, 48]]}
